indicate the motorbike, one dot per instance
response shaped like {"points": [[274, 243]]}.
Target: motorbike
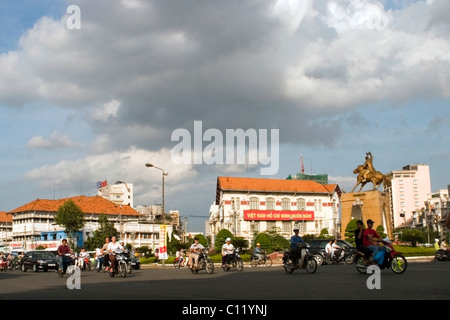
{"points": [[392, 259], [121, 265], [68, 260], [179, 263], [441, 255], [85, 264], [234, 262], [340, 255], [265, 260], [307, 261], [100, 264], [3, 265], [14, 264], [204, 263]]}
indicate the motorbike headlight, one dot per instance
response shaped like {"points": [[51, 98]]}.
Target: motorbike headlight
{"points": [[40, 261]]}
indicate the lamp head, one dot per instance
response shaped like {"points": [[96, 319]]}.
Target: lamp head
{"points": [[148, 165]]}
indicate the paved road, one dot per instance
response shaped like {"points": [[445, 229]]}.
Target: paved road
{"points": [[421, 281]]}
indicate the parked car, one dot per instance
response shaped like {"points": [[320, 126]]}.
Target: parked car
{"points": [[135, 262], [38, 260]]}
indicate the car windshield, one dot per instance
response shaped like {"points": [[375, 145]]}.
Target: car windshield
{"points": [[44, 255]]}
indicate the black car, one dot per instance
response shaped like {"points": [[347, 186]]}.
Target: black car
{"points": [[38, 260]]}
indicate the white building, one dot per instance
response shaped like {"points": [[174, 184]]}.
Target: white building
{"points": [[121, 193], [410, 189], [246, 206]]}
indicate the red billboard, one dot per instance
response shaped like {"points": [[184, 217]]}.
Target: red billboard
{"points": [[278, 215]]}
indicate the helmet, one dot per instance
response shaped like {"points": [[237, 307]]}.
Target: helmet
{"points": [[227, 239], [258, 244], [296, 228]]}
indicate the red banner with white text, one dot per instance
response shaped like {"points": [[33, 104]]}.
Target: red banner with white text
{"points": [[278, 215]]}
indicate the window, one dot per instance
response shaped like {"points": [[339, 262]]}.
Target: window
{"points": [[287, 226], [270, 203], [233, 206], [285, 204], [270, 225], [301, 204], [316, 205], [238, 203], [254, 203], [320, 205]]}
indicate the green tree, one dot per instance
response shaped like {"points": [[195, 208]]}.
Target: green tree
{"points": [[265, 241], [324, 233], [349, 232], [412, 235], [71, 217], [276, 240], [380, 231], [220, 239], [239, 242], [106, 229]]}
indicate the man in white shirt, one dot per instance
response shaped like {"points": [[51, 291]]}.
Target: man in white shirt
{"points": [[329, 249], [227, 251], [194, 252]]}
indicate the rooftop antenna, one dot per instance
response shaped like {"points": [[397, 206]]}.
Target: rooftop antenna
{"points": [[303, 167]]}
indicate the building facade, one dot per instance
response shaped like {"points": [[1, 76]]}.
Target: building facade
{"points": [[410, 189], [247, 206], [121, 193], [35, 218]]}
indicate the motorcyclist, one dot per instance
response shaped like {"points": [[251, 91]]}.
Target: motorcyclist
{"points": [[259, 252], [227, 251], [83, 254], [112, 247], [61, 251], [296, 245]]}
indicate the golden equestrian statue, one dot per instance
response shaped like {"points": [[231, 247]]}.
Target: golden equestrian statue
{"points": [[367, 173]]}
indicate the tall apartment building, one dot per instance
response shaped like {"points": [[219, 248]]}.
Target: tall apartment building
{"points": [[121, 193], [410, 189]]}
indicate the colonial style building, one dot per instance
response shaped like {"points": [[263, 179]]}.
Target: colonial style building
{"points": [[33, 218], [247, 206]]}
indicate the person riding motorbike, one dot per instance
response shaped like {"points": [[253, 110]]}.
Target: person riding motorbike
{"points": [[259, 252], [81, 256], [112, 247], [227, 251], [62, 250], [296, 244], [194, 254], [371, 238]]}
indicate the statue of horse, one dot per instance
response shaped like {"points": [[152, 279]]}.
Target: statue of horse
{"points": [[365, 176]]}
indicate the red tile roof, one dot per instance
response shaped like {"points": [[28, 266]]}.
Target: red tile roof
{"points": [[94, 205], [5, 217], [273, 185]]}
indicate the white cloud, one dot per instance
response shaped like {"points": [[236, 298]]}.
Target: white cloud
{"points": [[55, 141]]}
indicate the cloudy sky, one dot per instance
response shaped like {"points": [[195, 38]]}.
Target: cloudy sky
{"points": [[95, 94]]}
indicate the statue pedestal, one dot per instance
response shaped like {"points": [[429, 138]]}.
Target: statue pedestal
{"points": [[366, 205]]}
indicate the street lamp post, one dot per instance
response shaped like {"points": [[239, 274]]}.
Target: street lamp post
{"points": [[149, 165]]}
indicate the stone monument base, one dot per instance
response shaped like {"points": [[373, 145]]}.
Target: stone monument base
{"points": [[366, 205]]}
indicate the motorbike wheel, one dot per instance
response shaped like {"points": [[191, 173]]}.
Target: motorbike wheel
{"points": [[239, 264], [129, 267], [319, 258], [311, 265], [398, 264], [360, 265], [349, 259], [289, 267], [122, 269], [176, 264], [268, 262], [254, 262], [209, 266], [111, 273], [35, 268]]}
